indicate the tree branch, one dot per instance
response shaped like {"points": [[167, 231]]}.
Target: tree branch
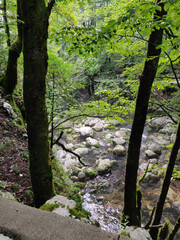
{"points": [[171, 62]]}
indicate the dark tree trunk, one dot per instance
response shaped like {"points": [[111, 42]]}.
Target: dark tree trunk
{"points": [[35, 16], [6, 24], [130, 212], [9, 80], [165, 186]]}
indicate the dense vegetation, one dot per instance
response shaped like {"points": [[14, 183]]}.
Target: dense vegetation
{"points": [[111, 59]]}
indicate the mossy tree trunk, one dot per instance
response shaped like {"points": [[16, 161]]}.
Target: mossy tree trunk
{"points": [[130, 211], [9, 80], [165, 186], [35, 16]]}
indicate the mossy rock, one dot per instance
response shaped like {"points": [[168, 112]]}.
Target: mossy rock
{"points": [[49, 206], [90, 172]]}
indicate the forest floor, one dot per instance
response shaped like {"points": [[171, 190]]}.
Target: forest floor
{"points": [[14, 171]]}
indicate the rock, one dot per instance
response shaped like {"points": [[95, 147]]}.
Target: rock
{"points": [[150, 154], [98, 127], [136, 233], [162, 140], [108, 136], [60, 154], [65, 205], [119, 141], [158, 123], [151, 178], [81, 151], [120, 133], [119, 150], [7, 195], [92, 122], [92, 142], [90, 172], [81, 176], [9, 110], [86, 131], [70, 146], [105, 165], [2, 237], [155, 148]]}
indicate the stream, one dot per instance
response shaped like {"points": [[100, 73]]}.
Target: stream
{"points": [[103, 195]]}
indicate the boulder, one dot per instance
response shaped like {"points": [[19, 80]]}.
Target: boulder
{"points": [[150, 154], [81, 151], [64, 205], [86, 131], [155, 148], [89, 172], [119, 150], [98, 127], [119, 141], [105, 165], [150, 177], [120, 133], [136, 233], [158, 123], [92, 142], [9, 110]]}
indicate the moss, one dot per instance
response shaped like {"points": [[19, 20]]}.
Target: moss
{"points": [[79, 213], [49, 206], [90, 172], [124, 233]]}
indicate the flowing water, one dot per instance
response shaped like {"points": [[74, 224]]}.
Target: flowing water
{"points": [[103, 196]]}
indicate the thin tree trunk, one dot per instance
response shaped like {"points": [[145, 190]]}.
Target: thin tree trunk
{"points": [[6, 24], [165, 186], [9, 80], [35, 16], [130, 212]]}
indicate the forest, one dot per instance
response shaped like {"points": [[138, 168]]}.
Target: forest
{"points": [[65, 64]]}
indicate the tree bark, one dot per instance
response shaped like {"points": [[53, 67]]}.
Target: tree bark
{"points": [[35, 16], [165, 186], [130, 212], [6, 24]]}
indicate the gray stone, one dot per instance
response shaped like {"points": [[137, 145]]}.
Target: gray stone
{"points": [[151, 178], [105, 165], [108, 136], [98, 127], [81, 176], [158, 123], [65, 205], [119, 150], [137, 233], [89, 172], [2, 237], [86, 131], [119, 141], [150, 154], [92, 142], [81, 151], [9, 110], [120, 133], [7, 195], [155, 148]]}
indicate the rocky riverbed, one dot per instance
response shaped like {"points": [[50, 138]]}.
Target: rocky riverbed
{"points": [[103, 150]]}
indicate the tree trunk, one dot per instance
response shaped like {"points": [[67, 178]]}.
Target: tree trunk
{"points": [[9, 80], [165, 186], [35, 16], [6, 24], [130, 212]]}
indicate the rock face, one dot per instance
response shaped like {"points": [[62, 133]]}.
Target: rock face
{"points": [[105, 165]]}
